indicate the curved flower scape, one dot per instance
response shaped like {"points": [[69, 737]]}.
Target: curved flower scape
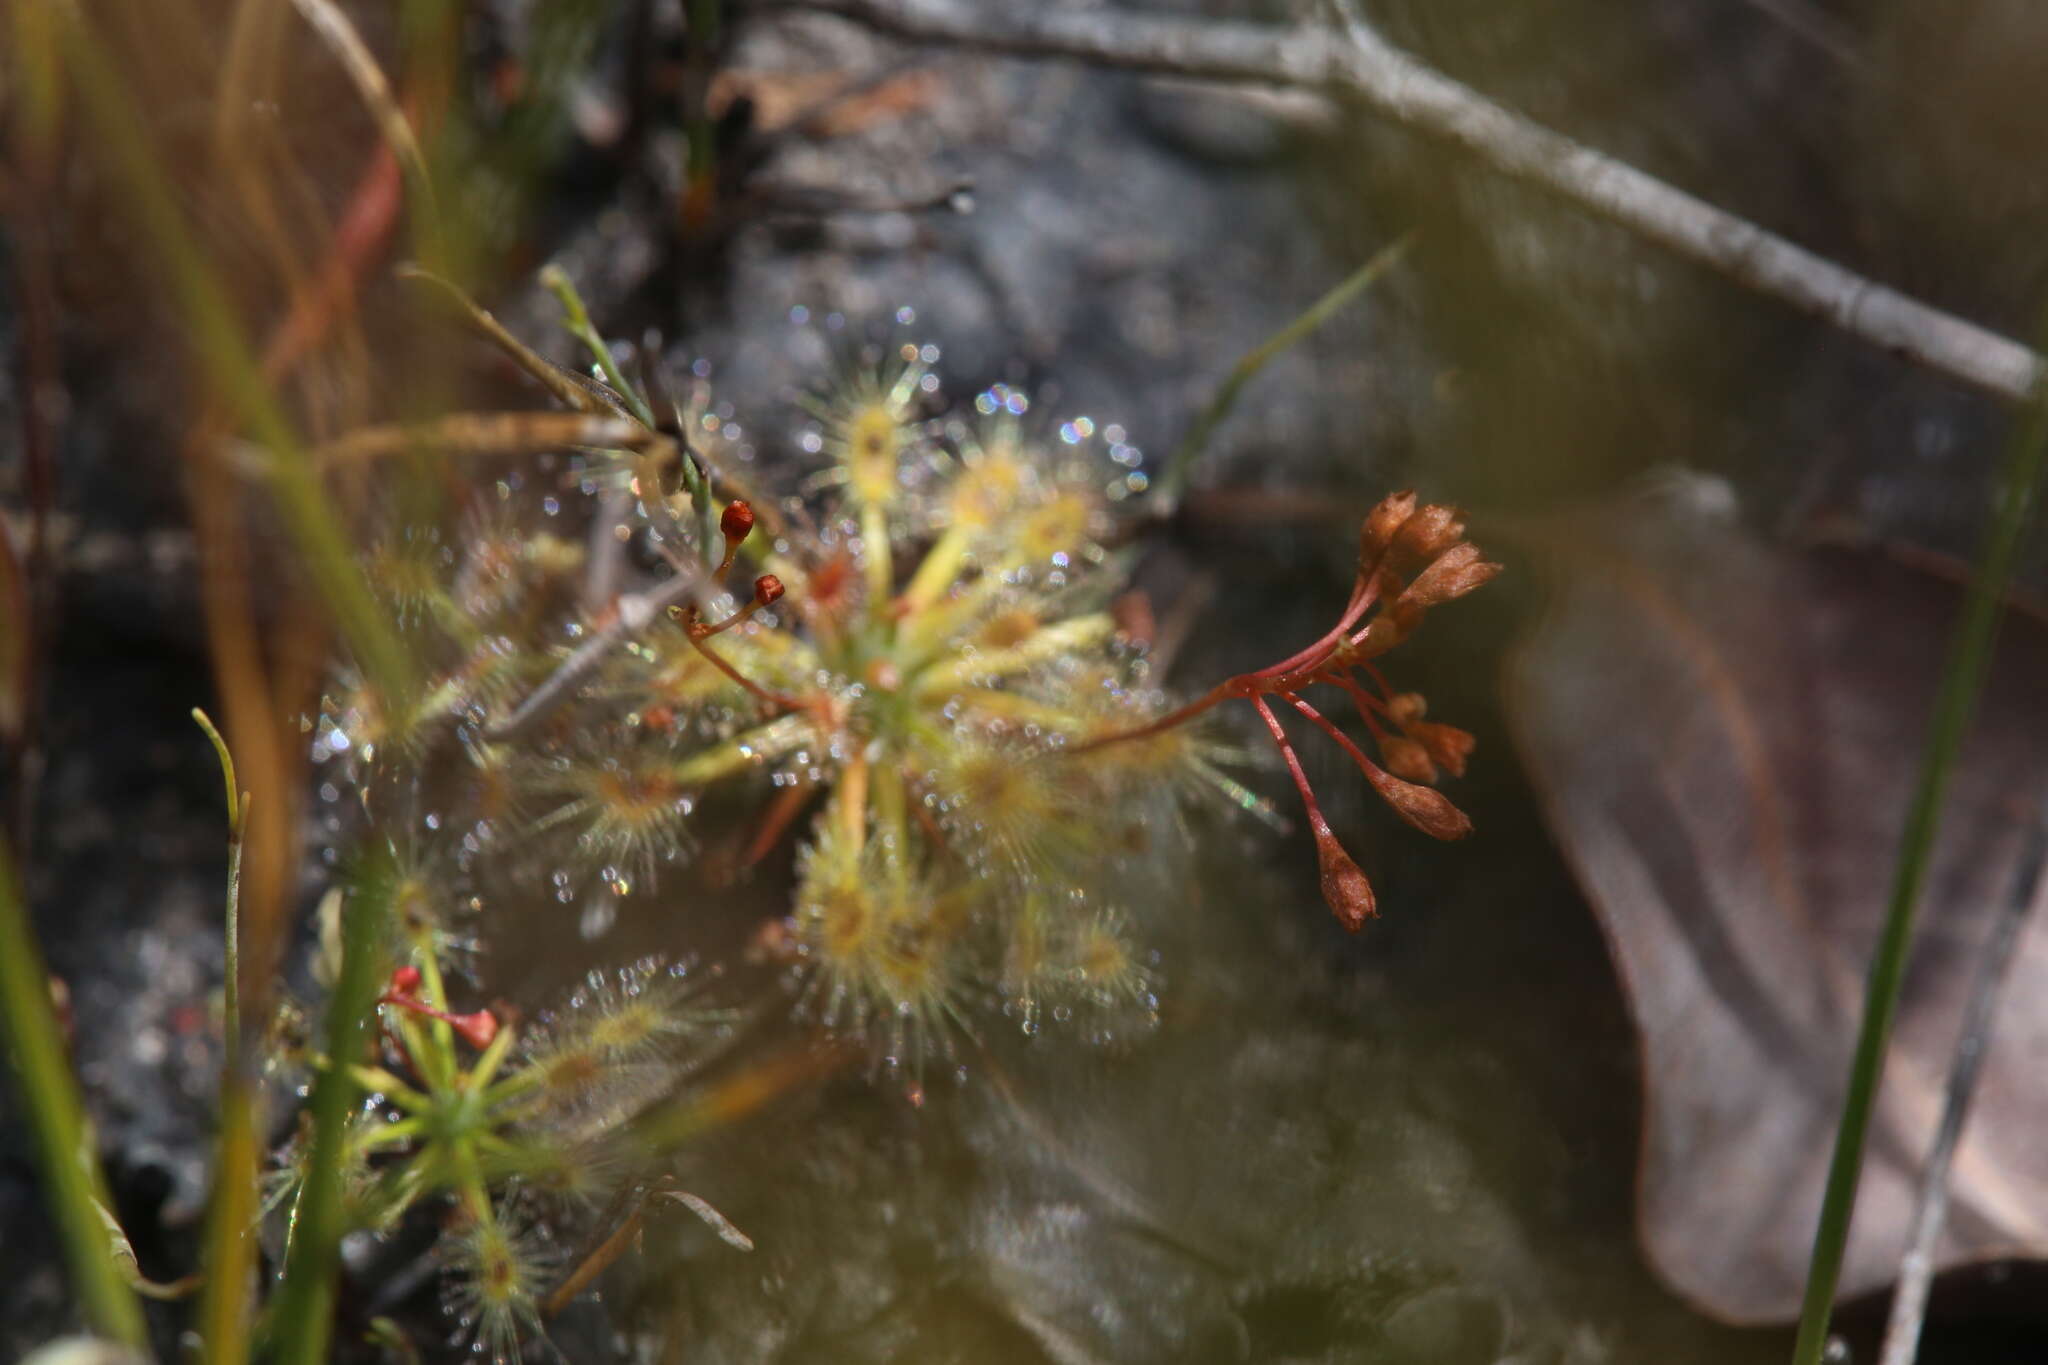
{"points": [[1410, 558]]}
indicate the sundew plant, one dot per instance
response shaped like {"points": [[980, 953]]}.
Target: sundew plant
{"points": [[922, 673]]}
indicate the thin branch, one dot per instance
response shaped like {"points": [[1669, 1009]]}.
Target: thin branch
{"points": [[1369, 72], [634, 611], [1994, 967], [474, 434]]}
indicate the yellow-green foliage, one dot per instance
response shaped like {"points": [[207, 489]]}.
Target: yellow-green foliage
{"points": [[891, 677]]}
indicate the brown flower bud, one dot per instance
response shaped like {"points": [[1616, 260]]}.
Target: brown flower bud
{"points": [[1446, 744], [1454, 573], [1345, 889], [1407, 759], [1405, 708], [1380, 525], [767, 589], [1431, 531], [1426, 808]]}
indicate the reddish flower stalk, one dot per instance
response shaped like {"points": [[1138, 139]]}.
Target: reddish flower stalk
{"points": [[477, 1028], [1345, 888], [1410, 558], [768, 590]]}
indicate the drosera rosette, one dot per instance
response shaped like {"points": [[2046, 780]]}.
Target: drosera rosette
{"points": [[516, 1136], [894, 666], [918, 674]]}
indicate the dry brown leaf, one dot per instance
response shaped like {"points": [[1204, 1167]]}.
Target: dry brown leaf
{"points": [[1724, 736]]}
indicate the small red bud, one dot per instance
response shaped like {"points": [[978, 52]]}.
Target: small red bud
{"points": [[767, 588], [736, 522], [405, 981], [476, 1029]]}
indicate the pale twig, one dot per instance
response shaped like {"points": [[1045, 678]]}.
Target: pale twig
{"points": [[1372, 74], [1994, 966], [473, 434], [633, 612]]}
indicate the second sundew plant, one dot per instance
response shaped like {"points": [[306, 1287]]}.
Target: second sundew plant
{"points": [[916, 677], [516, 1135]]}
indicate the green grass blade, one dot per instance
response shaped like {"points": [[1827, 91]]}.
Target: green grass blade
{"points": [[231, 366], [304, 1319], [224, 1309], [1173, 478], [229, 1292], [1969, 659], [75, 1190], [577, 320]]}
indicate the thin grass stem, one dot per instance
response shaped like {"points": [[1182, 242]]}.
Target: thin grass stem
{"points": [[1173, 478], [225, 1307], [304, 1319], [1969, 659], [1973, 1042], [76, 1191], [230, 364], [558, 283]]}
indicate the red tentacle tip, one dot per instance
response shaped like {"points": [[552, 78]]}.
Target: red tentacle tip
{"points": [[475, 1029], [737, 521]]}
